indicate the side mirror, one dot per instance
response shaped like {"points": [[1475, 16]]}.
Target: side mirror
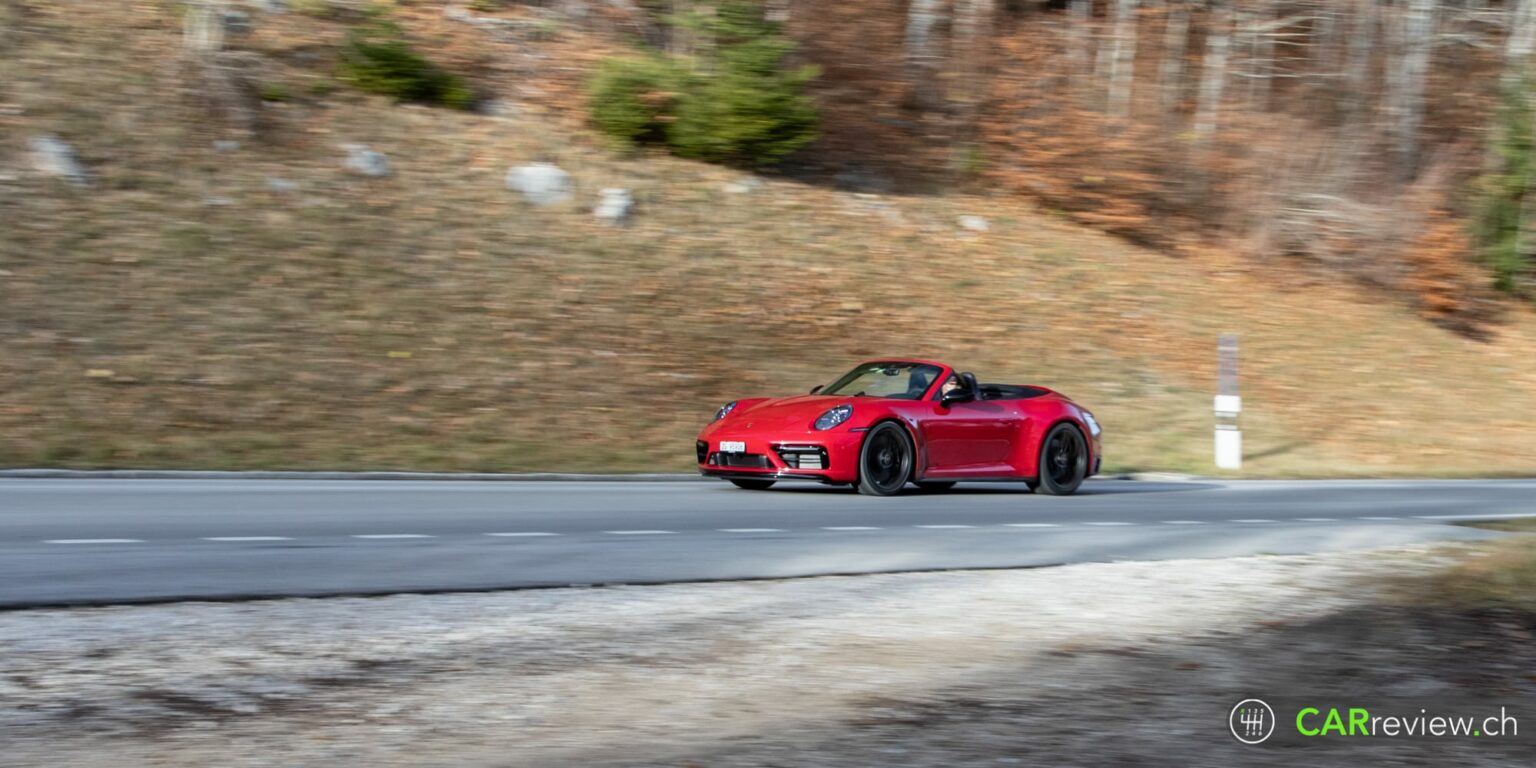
{"points": [[961, 395], [815, 389]]}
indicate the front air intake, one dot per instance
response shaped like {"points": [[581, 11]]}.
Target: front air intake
{"points": [[802, 456]]}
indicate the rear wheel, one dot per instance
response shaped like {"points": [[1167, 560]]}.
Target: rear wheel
{"points": [[1063, 461], [936, 485], [752, 485], [885, 461]]}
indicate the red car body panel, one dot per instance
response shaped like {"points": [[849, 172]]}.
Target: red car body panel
{"points": [[985, 439]]}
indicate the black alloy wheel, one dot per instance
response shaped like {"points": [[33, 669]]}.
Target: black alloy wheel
{"points": [[885, 461], [1063, 461]]}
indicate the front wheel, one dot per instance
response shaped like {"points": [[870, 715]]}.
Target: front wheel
{"points": [[885, 461], [1063, 461], [753, 485]]}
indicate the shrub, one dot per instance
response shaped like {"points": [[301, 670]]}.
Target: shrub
{"points": [[750, 109], [377, 58], [634, 99], [1502, 217], [738, 103]]}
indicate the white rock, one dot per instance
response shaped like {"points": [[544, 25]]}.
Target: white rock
{"points": [[52, 156], [364, 161], [540, 183], [615, 207], [974, 223], [743, 185], [277, 184]]}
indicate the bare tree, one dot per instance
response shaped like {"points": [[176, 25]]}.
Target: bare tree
{"points": [[1261, 53], [1357, 68], [1170, 73], [1414, 32], [922, 60], [968, 48], [1081, 38], [1213, 71], [1123, 64], [1521, 40]]}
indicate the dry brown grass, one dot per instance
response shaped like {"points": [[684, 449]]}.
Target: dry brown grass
{"points": [[1497, 575], [181, 313]]}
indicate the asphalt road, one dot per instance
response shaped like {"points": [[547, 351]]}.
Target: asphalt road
{"points": [[73, 541]]}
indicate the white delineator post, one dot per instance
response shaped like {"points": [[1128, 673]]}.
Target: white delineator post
{"points": [[1229, 438]]}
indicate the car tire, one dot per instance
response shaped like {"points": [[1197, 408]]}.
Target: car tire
{"points": [[936, 485], [885, 460], [1063, 460], [753, 485]]}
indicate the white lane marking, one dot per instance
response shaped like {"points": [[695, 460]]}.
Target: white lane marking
{"points": [[1109, 523], [849, 528], [1254, 520], [1510, 516], [1384, 517], [1318, 519], [247, 538], [523, 533], [943, 526], [94, 541], [636, 533], [1182, 522], [750, 530], [392, 536], [1032, 525]]}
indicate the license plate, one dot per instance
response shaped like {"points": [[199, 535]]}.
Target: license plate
{"points": [[729, 446]]}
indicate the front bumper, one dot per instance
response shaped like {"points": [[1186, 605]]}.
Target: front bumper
{"points": [[830, 456]]}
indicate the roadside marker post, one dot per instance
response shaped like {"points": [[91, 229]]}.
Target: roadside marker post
{"points": [[1229, 437]]}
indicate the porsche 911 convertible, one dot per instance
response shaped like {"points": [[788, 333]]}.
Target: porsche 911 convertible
{"points": [[888, 423]]}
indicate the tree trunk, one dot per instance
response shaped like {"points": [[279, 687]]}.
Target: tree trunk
{"points": [[1262, 60], [1081, 40], [922, 63], [1521, 40], [1213, 72], [1418, 27], [1123, 66], [1170, 74], [1357, 68], [968, 48]]}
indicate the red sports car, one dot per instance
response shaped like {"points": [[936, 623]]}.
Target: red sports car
{"points": [[890, 422]]}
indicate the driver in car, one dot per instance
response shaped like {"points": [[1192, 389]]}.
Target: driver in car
{"points": [[950, 384]]}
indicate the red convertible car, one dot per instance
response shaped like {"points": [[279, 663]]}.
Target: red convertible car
{"points": [[890, 422]]}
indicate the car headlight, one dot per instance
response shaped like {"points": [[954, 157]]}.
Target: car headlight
{"points": [[725, 410], [1093, 424], [834, 417]]}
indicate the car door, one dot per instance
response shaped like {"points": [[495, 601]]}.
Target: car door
{"points": [[972, 438]]}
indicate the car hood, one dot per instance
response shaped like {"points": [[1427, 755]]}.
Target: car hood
{"points": [[788, 412]]}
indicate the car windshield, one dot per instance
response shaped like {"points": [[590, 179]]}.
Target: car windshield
{"points": [[903, 381]]}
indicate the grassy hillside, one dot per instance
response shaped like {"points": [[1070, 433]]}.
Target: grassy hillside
{"points": [[264, 307]]}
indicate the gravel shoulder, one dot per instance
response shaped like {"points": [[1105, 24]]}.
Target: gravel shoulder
{"points": [[1114, 663]]}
